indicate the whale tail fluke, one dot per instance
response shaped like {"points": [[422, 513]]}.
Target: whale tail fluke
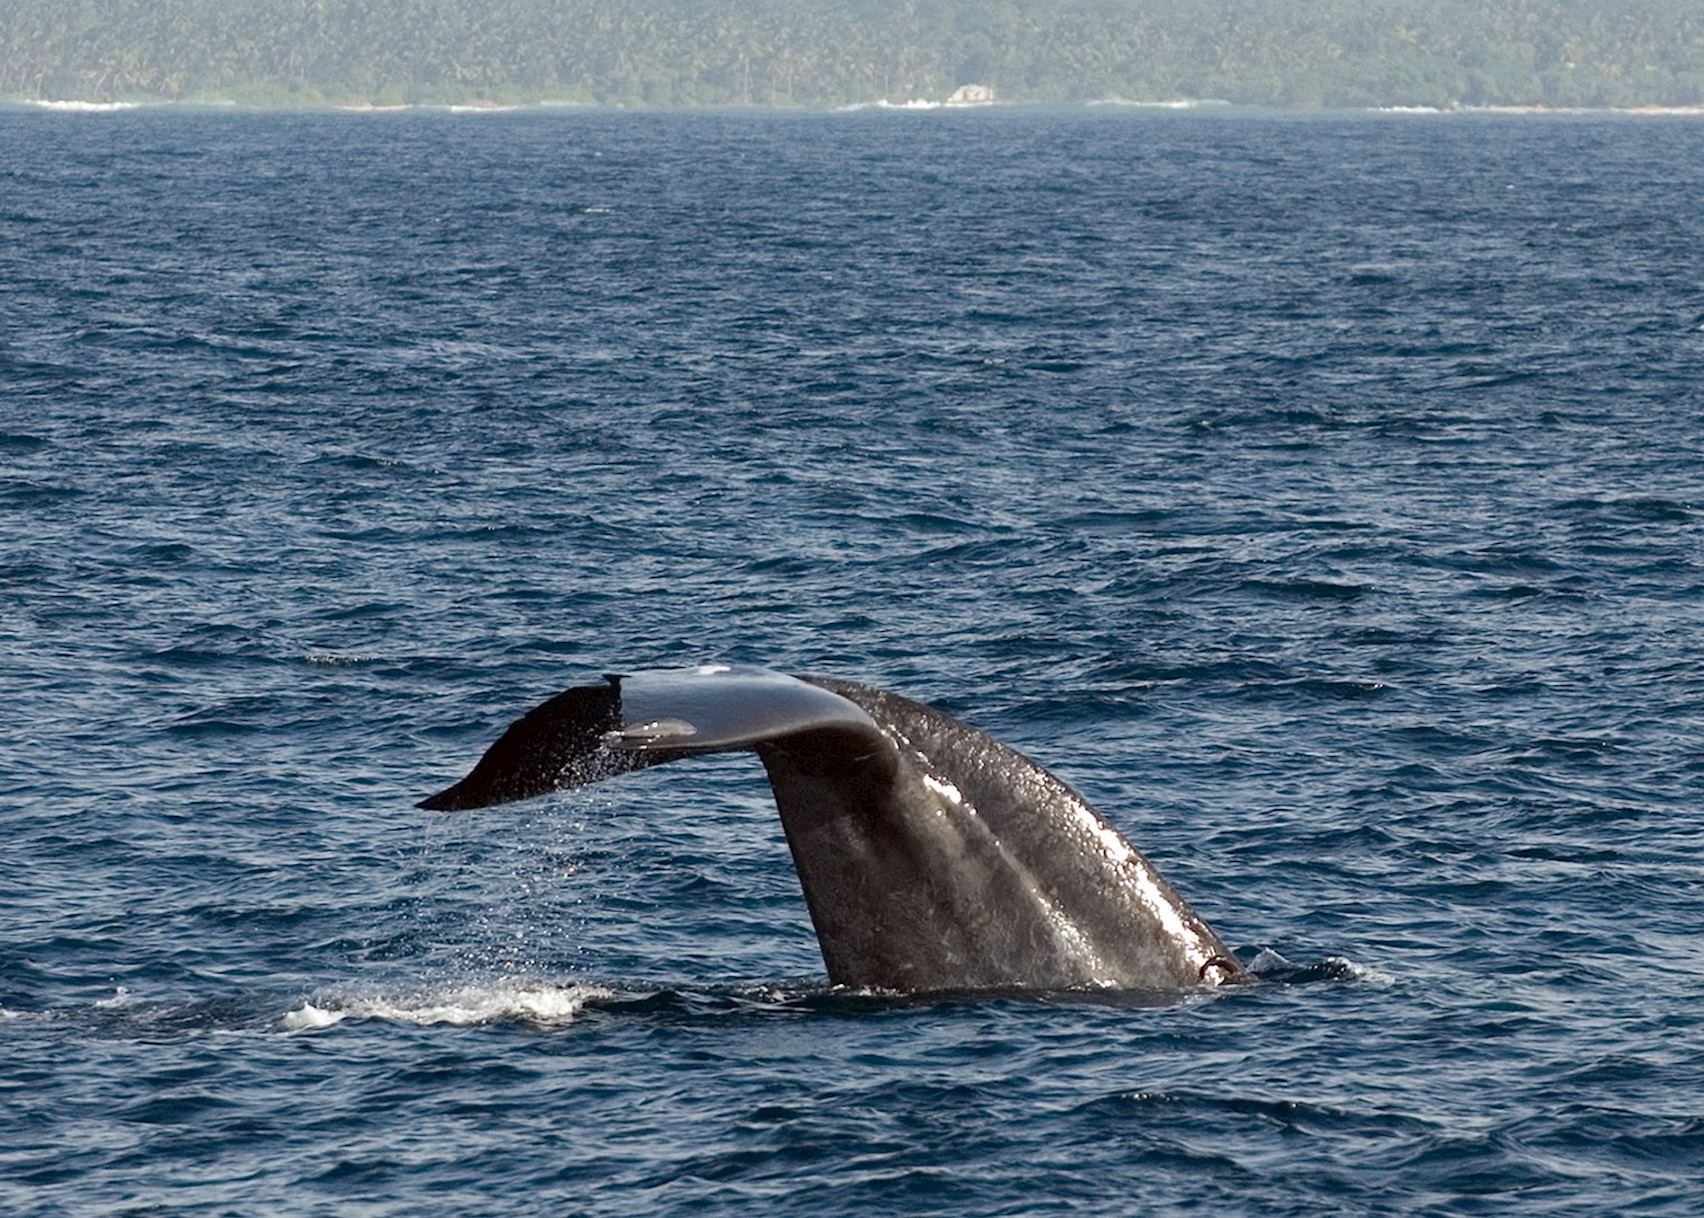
{"points": [[593, 732], [550, 746], [931, 857]]}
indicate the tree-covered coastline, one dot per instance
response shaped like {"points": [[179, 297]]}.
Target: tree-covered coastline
{"points": [[1294, 53]]}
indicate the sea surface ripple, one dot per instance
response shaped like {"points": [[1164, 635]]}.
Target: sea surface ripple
{"points": [[1322, 496]]}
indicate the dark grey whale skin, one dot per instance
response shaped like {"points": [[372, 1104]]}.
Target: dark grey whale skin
{"points": [[932, 857]]}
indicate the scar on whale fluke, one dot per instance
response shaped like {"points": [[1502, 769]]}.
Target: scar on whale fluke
{"points": [[932, 857]]}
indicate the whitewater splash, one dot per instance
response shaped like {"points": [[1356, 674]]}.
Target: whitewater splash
{"points": [[962, 98], [1176, 103], [83, 107], [479, 107], [915, 103], [533, 1002]]}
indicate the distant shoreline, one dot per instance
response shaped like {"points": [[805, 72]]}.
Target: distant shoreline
{"points": [[1544, 55], [1167, 106]]}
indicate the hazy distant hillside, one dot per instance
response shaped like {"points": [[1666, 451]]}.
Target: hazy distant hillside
{"points": [[821, 52]]}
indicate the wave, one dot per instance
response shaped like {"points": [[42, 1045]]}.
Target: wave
{"points": [[1176, 103], [452, 108], [955, 102], [532, 1002], [916, 103], [82, 107]]}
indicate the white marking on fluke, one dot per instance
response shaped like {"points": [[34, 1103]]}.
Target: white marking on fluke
{"points": [[650, 732]]}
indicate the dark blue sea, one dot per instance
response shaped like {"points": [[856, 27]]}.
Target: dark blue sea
{"points": [[1322, 496]]}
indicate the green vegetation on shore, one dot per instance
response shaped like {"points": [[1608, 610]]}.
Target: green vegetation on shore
{"points": [[828, 52]]}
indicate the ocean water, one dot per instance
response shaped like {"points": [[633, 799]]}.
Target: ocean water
{"points": [[1323, 497]]}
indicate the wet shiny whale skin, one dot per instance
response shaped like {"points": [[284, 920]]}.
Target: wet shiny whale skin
{"points": [[932, 857]]}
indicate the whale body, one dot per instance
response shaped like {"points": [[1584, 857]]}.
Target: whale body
{"points": [[931, 856]]}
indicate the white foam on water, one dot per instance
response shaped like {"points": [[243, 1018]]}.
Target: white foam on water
{"points": [[84, 107], [916, 103], [335, 659], [308, 1017], [1175, 103], [120, 998], [535, 1002], [1361, 972]]}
